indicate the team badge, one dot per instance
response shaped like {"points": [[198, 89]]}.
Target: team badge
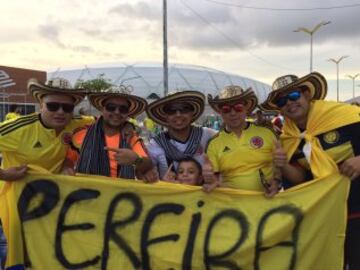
{"points": [[200, 150], [66, 138], [256, 142], [331, 137]]}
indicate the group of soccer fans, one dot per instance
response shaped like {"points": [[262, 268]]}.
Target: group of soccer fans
{"points": [[318, 138]]}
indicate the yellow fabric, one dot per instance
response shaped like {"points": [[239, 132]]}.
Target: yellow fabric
{"points": [[27, 141], [149, 124], [299, 218], [323, 116], [11, 116], [239, 160], [133, 121]]}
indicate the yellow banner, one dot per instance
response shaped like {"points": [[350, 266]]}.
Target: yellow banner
{"points": [[97, 223]]}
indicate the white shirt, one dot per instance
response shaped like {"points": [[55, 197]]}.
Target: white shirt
{"points": [[157, 154]]}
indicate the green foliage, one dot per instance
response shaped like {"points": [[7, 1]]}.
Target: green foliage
{"points": [[95, 85]]}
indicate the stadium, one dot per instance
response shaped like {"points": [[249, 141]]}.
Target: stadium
{"points": [[147, 79]]}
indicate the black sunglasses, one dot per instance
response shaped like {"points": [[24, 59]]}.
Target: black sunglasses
{"points": [[55, 106], [181, 108], [111, 107], [293, 96]]}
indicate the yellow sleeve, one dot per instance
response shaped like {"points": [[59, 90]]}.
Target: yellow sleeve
{"points": [[212, 155], [9, 142]]}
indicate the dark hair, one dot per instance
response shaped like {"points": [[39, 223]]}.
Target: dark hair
{"points": [[193, 160]]}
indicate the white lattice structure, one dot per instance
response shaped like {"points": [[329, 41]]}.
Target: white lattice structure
{"points": [[148, 78]]}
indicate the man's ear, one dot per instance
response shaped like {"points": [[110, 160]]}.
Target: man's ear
{"points": [[307, 94]]}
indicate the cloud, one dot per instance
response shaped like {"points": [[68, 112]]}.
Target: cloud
{"points": [[139, 10], [51, 32], [203, 24]]}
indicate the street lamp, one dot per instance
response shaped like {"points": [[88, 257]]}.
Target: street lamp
{"points": [[353, 80], [311, 33], [337, 73]]}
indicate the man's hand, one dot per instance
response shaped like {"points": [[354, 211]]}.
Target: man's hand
{"points": [[273, 187], [123, 156], [211, 181], [151, 176], [14, 173], [279, 156], [351, 167]]}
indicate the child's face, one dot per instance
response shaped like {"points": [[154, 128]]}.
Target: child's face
{"points": [[188, 173]]}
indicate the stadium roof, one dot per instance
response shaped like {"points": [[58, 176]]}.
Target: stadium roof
{"points": [[147, 78]]}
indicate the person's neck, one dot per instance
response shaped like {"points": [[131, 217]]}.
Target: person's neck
{"points": [[301, 124], [180, 135], [110, 131]]}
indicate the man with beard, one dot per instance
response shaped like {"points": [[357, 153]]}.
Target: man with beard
{"points": [[110, 147], [177, 112], [319, 138]]}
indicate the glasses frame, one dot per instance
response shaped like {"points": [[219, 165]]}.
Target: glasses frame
{"points": [[123, 109], [55, 106], [293, 96], [183, 108], [238, 107]]}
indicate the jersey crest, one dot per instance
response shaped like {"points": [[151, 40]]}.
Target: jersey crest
{"points": [[256, 142], [331, 137], [66, 138]]}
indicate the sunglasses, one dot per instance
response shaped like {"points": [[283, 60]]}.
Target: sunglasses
{"points": [[239, 107], [293, 96], [111, 107], [55, 106], [172, 109]]}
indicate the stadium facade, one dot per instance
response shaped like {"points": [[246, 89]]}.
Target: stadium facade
{"points": [[147, 79]]}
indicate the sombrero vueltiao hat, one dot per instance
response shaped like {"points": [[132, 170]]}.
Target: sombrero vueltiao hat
{"points": [[137, 104], [155, 110], [232, 94], [55, 86], [314, 82]]}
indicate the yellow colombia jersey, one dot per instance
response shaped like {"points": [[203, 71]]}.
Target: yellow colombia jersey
{"points": [[239, 160], [26, 141]]}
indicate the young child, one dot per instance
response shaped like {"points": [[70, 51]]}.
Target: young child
{"points": [[189, 172]]}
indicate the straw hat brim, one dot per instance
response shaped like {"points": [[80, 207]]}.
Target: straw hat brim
{"points": [[155, 110], [248, 97], [39, 90], [137, 104], [315, 82]]}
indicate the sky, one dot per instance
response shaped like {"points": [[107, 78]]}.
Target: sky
{"points": [[255, 39]]}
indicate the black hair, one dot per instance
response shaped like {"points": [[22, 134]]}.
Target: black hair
{"points": [[193, 160]]}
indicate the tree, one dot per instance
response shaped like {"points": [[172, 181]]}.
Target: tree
{"points": [[96, 85]]}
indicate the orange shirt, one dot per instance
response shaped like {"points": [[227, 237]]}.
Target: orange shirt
{"points": [[110, 141]]}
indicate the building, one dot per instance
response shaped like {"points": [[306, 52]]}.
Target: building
{"points": [[147, 79], [13, 89]]}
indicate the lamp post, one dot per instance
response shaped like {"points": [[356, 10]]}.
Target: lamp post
{"points": [[353, 81], [311, 33], [337, 73]]}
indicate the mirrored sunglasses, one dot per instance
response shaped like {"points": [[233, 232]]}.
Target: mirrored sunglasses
{"points": [[226, 108], [111, 107], [181, 108], [55, 106], [293, 96]]}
